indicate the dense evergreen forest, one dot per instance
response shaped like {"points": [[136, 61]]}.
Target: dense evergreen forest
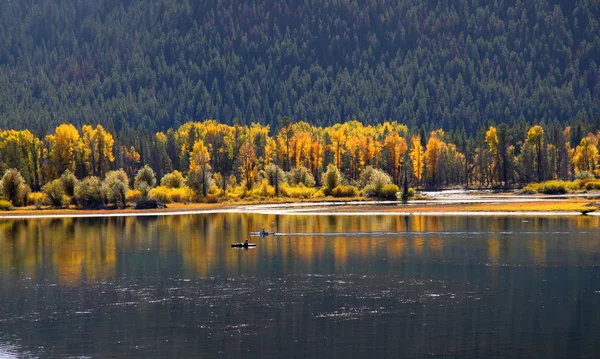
{"points": [[138, 66]]}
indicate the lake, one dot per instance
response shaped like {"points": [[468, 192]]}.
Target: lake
{"points": [[333, 286]]}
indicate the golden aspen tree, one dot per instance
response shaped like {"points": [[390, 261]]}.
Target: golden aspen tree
{"points": [[491, 138], [248, 160], [396, 147], [338, 141], [416, 157], [586, 156], [352, 148], [199, 165], [270, 151], [317, 152], [97, 149], [433, 152], [366, 148], [64, 145]]}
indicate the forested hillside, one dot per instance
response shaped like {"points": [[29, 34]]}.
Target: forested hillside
{"points": [[156, 64]]}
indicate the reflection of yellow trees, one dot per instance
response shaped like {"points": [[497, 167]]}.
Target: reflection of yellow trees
{"points": [[436, 247], [396, 248], [88, 251], [75, 249], [538, 250], [494, 250], [418, 244]]}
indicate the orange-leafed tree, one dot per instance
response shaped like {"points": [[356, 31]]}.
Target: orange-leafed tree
{"points": [[433, 153], [338, 143], [248, 169], [396, 148], [130, 158], [416, 157]]}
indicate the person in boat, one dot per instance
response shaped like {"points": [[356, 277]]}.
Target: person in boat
{"points": [[263, 232], [246, 242]]}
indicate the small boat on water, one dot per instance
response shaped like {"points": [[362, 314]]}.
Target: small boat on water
{"points": [[262, 234], [242, 245]]}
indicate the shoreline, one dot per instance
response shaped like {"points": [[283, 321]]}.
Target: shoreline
{"points": [[473, 205]]}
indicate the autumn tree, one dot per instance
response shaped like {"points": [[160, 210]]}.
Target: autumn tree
{"points": [[396, 148], [131, 160], [65, 145], [432, 155], [199, 167], [98, 149], [248, 167], [338, 143], [586, 156], [416, 157], [491, 138]]}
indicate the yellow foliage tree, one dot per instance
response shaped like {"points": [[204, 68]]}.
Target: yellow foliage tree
{"points": [[416, 157], [396, 148], [64, 146], [433, 152], [248, 160], [586, 156], [97, 149]]}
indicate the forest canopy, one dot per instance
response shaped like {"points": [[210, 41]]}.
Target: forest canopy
{"points": [[147, 66]]}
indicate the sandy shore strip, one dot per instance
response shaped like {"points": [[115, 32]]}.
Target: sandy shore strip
{"points": [[449, 206]]}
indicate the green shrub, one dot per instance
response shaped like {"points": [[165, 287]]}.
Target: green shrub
{"points": [[116, 186], [68, 181], [200, 181], [331, 179], [300, 175], [275, 175], [89, 194], [389, 191], [145, 180], [365, 176], [411, 193], [55, 192], [584, 175], [5, 205], [344, 191], [173, 180], [14, 188], [590, 186]]}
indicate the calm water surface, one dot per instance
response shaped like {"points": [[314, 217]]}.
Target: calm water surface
{"points": [[378, 286]]}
